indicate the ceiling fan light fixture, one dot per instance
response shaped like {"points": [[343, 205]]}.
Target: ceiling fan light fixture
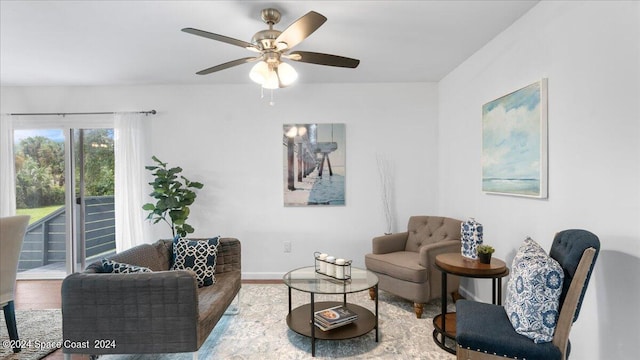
{"points": [[271, 82], [273, 76], [259, 72], [287, 74]]}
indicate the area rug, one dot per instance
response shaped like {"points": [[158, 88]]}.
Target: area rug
{"points": [[260, 331], [39, 330]]}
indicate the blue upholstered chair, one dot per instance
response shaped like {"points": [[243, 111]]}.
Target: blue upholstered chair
{"points": [[484, 331]]}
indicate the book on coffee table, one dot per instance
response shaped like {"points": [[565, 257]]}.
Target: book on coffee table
{"points": [[334, 317]]}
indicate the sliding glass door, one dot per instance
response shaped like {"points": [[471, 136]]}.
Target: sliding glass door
{"points": [[94, 193], [65, 181], [41, 193]]}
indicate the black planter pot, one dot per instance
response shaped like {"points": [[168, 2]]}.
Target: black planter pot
{"points": [[485, 258]]}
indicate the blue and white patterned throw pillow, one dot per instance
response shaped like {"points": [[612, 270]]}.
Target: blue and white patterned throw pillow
{"points": [[198, 256], [533, 292], [115, 267]]}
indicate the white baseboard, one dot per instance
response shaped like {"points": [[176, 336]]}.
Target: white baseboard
{"points": [[41, 275], [262, 275], [467, 295]]}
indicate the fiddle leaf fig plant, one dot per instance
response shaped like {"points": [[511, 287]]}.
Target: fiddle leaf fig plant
{"points": [[174, 194]]}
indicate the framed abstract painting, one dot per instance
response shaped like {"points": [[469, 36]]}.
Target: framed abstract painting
{"points": [[514, 143]]}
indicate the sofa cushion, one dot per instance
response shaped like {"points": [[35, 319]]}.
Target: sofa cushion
{"points": [[153, 256], [533, 292], [111, 266], [401, 265], [213, 301], [198, 256]]}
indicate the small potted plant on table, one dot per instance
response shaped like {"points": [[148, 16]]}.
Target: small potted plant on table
{"points": [[484, 253]]}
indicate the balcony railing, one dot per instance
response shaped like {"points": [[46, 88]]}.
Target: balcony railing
{"points": [[45, 240]]}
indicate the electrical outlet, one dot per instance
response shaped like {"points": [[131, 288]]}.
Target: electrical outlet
{"points": [[287, 246]]}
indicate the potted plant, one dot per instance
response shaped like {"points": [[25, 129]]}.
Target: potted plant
{"points": [[174, 195], [484, 253]]}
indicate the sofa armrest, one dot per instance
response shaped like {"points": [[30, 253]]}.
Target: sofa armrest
{"points": [[135, 313], [428, 253], [228, 257], [389, 243]]}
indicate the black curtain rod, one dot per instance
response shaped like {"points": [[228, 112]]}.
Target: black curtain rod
{"points": [[152, 112]]}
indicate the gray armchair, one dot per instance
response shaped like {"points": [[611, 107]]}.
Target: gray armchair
{"points": [[404, 262]]}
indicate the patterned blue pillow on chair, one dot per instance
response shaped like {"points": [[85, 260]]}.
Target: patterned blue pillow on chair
{"points": [[115, 267], [533, 292], [198, 256]]}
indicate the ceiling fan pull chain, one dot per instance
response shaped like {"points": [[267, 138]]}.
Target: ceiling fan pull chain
{"points": [[271, 101]]}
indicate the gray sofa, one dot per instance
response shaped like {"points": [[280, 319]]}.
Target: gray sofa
{"points": [[162, 311]]}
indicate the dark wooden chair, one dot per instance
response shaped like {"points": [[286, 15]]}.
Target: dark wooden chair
{"points": [[484, 331]]}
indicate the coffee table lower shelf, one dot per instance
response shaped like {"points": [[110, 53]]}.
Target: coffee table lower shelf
{"points": [[440, 337], [299, 321]]}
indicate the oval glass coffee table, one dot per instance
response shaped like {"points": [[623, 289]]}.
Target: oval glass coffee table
{"points": [[301, 319]]}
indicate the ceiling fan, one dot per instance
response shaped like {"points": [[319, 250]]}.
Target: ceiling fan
{"points": [[273, 46]]}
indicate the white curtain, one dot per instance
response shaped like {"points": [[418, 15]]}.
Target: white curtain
{"points": [[129, 177], [7, 168]]}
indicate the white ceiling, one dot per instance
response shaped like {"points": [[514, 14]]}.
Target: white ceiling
{"points": [[112, 42]]}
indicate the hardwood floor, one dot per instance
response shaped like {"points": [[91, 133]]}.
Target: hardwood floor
{"points": [[45, 294], [38, 294]]}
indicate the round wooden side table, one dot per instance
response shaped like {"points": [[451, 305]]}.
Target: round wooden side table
{"points": [[455, 264]]}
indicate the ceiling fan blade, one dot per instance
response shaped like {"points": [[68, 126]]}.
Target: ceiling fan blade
{"points": [[323, 59], [228, 65], [222, 38], [301, 29]]}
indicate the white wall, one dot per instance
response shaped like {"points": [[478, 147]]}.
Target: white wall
{"points": [[589, 51], [231, 140]]}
